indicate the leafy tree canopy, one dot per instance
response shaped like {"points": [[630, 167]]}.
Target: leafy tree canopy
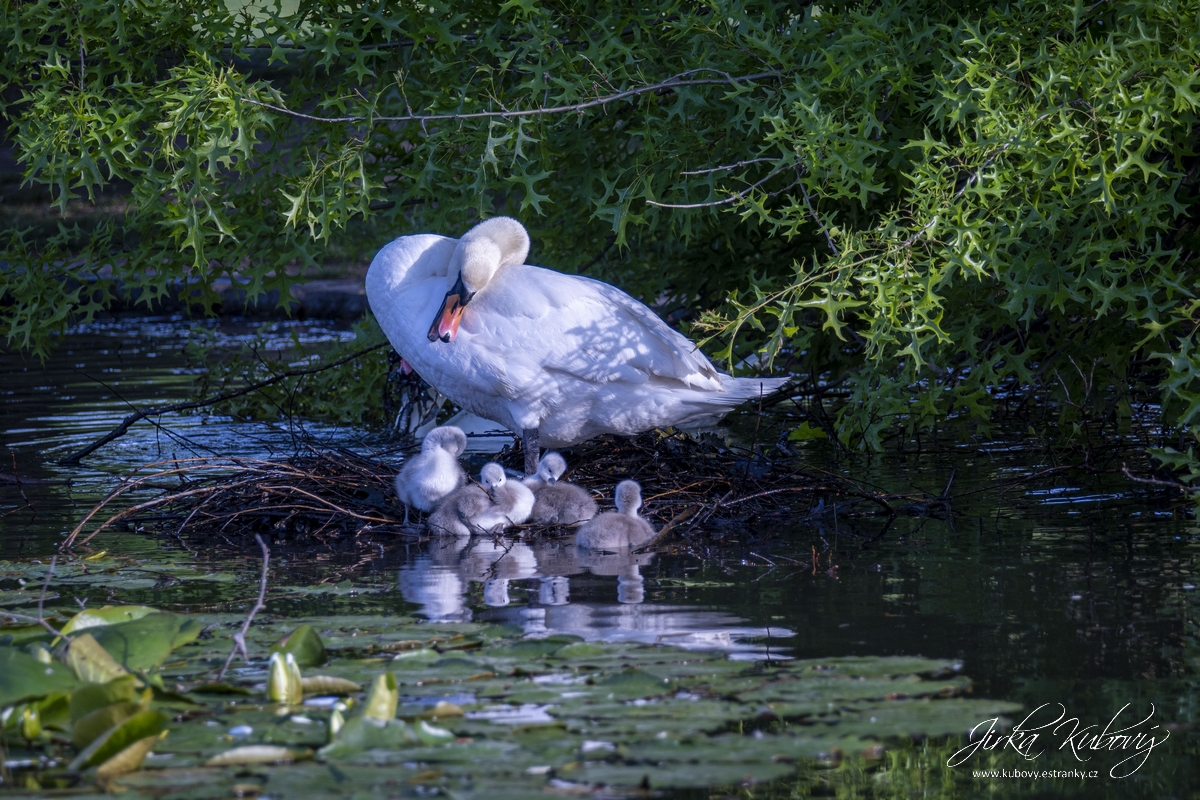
{"points": [[941, 204]]}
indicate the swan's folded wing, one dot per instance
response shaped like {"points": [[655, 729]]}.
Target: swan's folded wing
{"points": [[605, 335]]}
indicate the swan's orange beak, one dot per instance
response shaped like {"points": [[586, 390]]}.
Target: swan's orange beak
{"points": [[449, 316]]}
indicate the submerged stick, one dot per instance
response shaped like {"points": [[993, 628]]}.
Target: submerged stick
{"points": [[142, 413], [239, 638]]}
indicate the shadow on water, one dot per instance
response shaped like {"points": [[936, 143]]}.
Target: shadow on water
{"points": [[1059, 592]]}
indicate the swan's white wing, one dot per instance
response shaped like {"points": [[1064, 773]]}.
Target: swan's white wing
{"points": [[587, 329]]}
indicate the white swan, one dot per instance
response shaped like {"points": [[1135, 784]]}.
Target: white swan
{"points": [[558, 358], [557, 502], [434, 472], [620, 529]]}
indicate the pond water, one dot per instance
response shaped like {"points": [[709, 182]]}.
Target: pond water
{"points": [[1073, 590]]}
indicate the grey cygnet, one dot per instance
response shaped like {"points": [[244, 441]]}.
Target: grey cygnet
{"points": [[484, 508], [557, 503], [623, 528], [512, 501], [434, 472]]}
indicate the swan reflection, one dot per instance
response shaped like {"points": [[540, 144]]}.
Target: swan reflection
{"points": [[539, 574]]}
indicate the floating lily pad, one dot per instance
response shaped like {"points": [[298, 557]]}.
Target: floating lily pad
{"points": [[23, 677]]}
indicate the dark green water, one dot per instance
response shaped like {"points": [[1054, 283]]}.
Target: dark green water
{"points": [[1077, 591]]}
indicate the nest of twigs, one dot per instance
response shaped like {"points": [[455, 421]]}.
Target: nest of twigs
{"points": [[333, 498]]}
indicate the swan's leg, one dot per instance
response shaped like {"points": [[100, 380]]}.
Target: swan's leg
{"points": [[529, 442], [406, 515]]}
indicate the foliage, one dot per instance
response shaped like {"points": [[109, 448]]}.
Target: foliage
{"points": [[948, 205], [348, 393], [473, 702]]}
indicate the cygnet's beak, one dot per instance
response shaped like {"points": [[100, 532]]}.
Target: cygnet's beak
{"points": [[449, 316], [552, 479]]}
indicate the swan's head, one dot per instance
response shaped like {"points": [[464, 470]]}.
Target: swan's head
{"points": [[628, 497], [551, 467], [448, 437], [492, 478], [490, 245]]}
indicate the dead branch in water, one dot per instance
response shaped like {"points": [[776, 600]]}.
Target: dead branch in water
{"points": [[239, 638]]}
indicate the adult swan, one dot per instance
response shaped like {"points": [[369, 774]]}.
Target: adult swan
{"points": [[560, 358]]}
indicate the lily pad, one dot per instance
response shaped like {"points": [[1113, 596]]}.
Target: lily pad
{"points": [[106, 615], [140, 726], [305, 646], [148, 640], [23, 677]]}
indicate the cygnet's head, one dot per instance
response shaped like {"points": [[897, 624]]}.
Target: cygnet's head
{"points": [[628, 496], [492, 477], [551, 467], [490, 245], [448, 438]]}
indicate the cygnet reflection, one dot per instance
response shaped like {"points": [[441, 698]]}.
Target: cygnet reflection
{"points": [[529, 585]]}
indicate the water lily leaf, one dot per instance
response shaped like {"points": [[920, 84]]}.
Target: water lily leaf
{"points": [[304, 644], [873, 666], [361, 734], [141, 725], [632, 683], [91, 727], [443, 709], [54, 710], [678, 776], [219, 687], [93, 697], [383, 699], [258, 754], [106, 615], [129, 759], [328, 684], [147, 641], [23, 677]]}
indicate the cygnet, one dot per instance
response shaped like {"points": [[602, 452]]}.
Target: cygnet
{"points": [[557, 503], [494, 504], [512, 501], [434, 472], [623, 528]]}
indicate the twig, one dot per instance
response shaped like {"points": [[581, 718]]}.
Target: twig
{"points": [[732, 198], [813, 213], [680, 518], [1152, 481], [41, 618], [670, 83], [140, 414], [239, 638], [728, 167]]}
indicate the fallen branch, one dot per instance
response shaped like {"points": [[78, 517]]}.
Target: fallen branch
{"points": [[142, 413], [239, 638]]}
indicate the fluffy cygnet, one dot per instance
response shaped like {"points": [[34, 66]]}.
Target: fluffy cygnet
{"points": [[512, 501], [493, 505], [434, 472], [454, 514], [557, 503], [614, 530]]}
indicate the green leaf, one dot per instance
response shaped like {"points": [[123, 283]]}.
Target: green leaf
{"points": [[23, 677], [106, 615], [141, 725], [304, 644], [383, 698], [147, 641]]}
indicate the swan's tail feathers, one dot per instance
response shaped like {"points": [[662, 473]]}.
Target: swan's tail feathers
{"points": [[739, 390]]}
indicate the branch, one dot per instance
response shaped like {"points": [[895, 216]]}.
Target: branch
{"points": [[239, 638], [669, 84], [141, 414], [732, 198]]}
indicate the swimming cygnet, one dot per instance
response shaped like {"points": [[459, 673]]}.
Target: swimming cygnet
{"points": [[614, 530], [434, 472], [512, 501], [495, 504], [557, 503]]}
